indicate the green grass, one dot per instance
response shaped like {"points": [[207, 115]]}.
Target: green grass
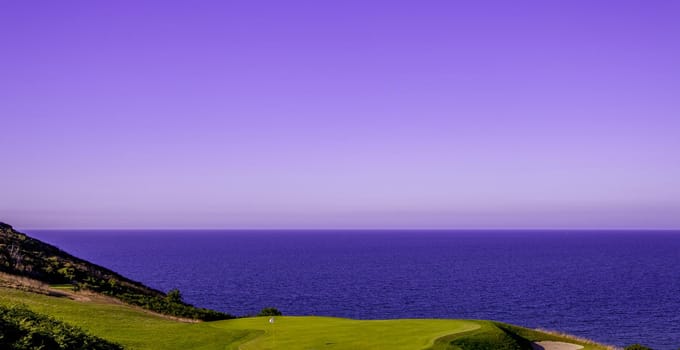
{"points": [[489, 335], [67, 287], [339, 333], [132, 327], [138, 329]]}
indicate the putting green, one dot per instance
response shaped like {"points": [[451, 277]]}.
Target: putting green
{"points": [[339, 333]]}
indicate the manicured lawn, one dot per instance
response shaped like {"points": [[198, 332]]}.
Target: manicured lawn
{"points": [[339, 333], [137, 329]]}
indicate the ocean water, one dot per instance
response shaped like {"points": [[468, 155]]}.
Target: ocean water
{"points": [[614, 287]]}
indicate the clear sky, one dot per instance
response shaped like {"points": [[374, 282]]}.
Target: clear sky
{"points": [[340, 114]]}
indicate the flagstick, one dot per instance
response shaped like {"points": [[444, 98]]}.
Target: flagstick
{"points": [[271, 321]]}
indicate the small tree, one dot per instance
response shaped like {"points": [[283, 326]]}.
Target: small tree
{"points": [[270, 311], [636, 347], [16, 256], [174, 296]]}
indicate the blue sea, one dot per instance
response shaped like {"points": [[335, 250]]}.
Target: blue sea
{"points": [[614, 287]]}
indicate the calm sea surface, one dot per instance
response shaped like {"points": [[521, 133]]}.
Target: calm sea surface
{"points": [[614, 287]]}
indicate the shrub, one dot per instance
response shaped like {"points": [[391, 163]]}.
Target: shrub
{"points": [[23, 329], [636, 347], [270, 311], [174, 296]]}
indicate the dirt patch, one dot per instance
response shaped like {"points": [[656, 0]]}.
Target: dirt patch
{"points": [[23, 283]]}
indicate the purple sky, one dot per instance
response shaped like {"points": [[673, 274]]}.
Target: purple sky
{"points": [[340, 114]]}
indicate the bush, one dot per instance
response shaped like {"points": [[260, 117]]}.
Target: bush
{"points": [[173, 306], [23, 329], [270, 311], [174, 296], [636, 347]]}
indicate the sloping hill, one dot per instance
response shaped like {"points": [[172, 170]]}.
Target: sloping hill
{"points": [[136, 329], [28, 263], [132, 327], [26, 256], [22, 255], [23, 329]]}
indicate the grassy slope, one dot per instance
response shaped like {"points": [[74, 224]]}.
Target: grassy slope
{"points": [[500, 336], [137, 329], [21, 255], [132, 327], [23, 329]]}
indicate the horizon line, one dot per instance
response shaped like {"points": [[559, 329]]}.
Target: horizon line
{"points": [[354, 229]]}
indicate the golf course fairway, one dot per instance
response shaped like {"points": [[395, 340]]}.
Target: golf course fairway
{"points": [[138, 329], [339, 333]]}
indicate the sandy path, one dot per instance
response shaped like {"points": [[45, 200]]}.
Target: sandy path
{"points": [[555, 345]]}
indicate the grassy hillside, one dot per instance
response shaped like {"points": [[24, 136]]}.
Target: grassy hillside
{"points": [[24, 256], [50, 297], [130, 326], [23, 329], [138, 329]]}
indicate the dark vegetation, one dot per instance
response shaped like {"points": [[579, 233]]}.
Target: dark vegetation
{"points": [[270, 311], [498, 336], [22, 329], [24, 256], [491, 336], [636, 347]]}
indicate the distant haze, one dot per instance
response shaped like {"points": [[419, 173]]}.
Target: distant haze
{"points": [[344, 114]]}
